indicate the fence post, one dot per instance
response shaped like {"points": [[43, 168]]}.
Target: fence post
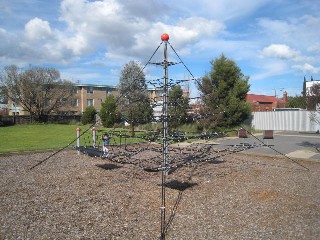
{"points": [[94, 136], [78, 140]]}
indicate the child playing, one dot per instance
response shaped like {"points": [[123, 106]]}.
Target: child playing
{"points": [[105, 143]]}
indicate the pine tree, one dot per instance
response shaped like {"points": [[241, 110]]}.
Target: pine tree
{"points": [[178, 106], [223, 92], [108, 112]]}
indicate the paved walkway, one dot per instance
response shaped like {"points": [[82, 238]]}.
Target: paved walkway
{"points": [[292, 144]]}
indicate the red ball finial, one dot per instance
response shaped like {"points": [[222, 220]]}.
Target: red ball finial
{"points": [[164, 37]]}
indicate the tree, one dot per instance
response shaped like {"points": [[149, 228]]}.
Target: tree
{"points": [[178, 106], [313, 97], [134, 103], [88, 115], [38, 90], [3, 95], [223, 92], [108, 112], [313, 102], [296, 102]]}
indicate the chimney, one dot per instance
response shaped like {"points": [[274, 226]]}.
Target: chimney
{"points": [[186, 91], [284, 98]]}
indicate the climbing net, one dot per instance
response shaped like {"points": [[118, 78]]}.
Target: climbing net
{"points": [[147, 154], [163, 151]]}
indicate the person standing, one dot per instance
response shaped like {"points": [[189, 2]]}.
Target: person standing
{"points": [[105, 143]]}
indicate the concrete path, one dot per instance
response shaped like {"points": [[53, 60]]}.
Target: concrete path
{"points": [[292, 144]]}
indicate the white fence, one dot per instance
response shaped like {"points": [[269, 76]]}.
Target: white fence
{"points": [[286, 121]]}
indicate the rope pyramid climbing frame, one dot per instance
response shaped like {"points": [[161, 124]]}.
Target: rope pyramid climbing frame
{"points": [[159, 151]]}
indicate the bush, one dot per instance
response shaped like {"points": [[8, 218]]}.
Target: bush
{"points": [[88, 115]]}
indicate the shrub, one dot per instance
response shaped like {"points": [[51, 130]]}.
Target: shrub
{"points": [[88, 115]]}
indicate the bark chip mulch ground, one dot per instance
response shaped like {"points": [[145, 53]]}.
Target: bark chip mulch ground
{"points": [[73, 196]]}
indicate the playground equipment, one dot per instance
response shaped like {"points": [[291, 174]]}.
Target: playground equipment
{"points": [[163, 151]]}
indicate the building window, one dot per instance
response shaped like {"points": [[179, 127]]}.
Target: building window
{"points": [[90, 90], [89, 102], [74, 102], [14, 108], [62, 100], [47, 102]]}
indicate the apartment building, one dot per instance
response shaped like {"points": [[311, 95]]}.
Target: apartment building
{"points": [[87, 95], [92, 95]]}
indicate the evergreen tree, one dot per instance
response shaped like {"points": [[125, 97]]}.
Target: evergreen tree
{"points": [[134, 103], [178, 107], [296, 102], [223, 92], [108, 112], [88, 115]]}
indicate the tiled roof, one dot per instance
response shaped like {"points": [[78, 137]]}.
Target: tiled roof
{"points": [[262, 98]]}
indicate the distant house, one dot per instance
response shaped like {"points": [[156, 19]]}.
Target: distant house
{"points": [[306, 90], [308, 84], [263, 103]]}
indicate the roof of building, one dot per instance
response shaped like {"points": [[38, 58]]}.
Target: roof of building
{"points": [[94, 85], [262, 98]]}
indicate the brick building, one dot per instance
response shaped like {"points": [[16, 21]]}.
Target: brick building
{"points": [[263, 103], [86, 95]]}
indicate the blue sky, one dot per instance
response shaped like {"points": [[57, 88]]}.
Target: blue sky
{"points": [[274, 42]]}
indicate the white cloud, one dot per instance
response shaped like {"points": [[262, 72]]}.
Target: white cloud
{"points": [[314, 48], [202, 26], [37, 29], [300, 33], [284, 52], [109, 33], [281, 51], [307, 68]]}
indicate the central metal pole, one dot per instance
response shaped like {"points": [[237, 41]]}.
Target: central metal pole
{"points": [[164, 140]]}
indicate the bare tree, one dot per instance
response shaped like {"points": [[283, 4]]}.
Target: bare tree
{"points": [[313, 97], [38, 90], [313, 102]]}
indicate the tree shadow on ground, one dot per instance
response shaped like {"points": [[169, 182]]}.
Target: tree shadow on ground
{"points": [[310, 144], [108, 166]]}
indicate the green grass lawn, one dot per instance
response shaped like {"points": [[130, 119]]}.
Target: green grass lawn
{"points": [[34, 137]]}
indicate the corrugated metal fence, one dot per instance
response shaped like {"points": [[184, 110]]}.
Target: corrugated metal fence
{"points": [[286, 121]]}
